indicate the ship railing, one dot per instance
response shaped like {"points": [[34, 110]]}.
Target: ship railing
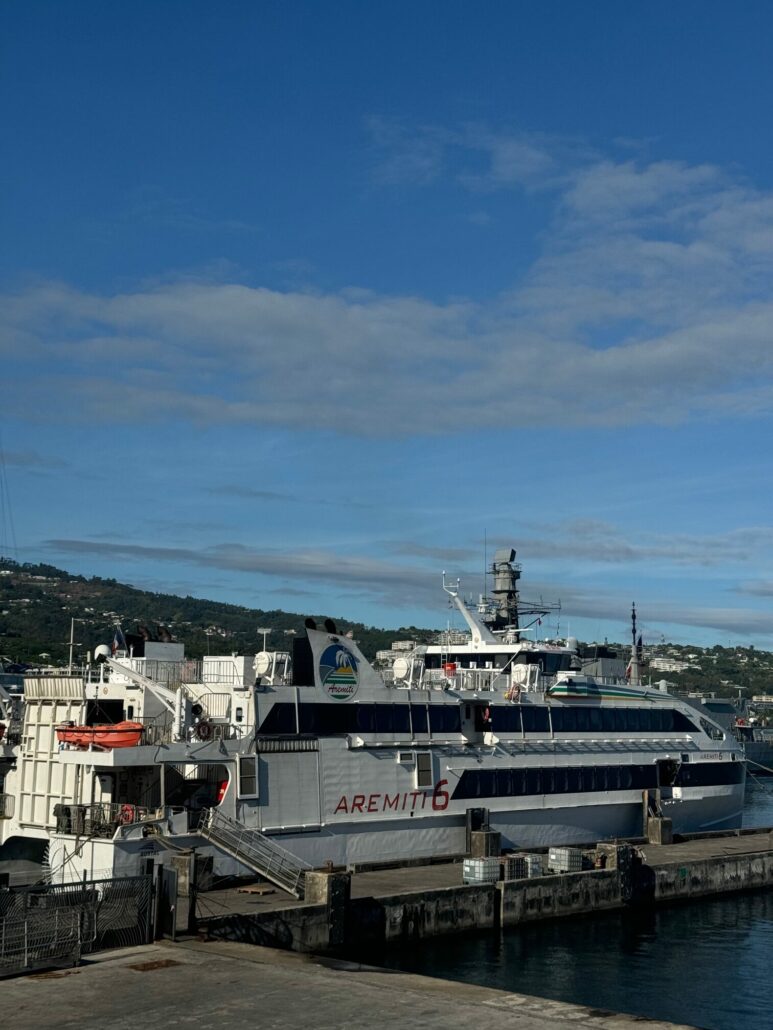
{"points": [[101, 819], [7, 806], [473, 680], [155, 730], [481, 680], [170, 674], [223, 671]]}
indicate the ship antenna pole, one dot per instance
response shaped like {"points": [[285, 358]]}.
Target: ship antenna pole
{"points": [[635, 678], [485, 563], [633, 624]]}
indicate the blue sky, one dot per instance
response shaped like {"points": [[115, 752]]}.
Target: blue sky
{"points": [[301, 301]]}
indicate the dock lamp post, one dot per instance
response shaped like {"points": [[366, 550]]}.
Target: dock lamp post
{"points": [[265, 630], [72, 643]]}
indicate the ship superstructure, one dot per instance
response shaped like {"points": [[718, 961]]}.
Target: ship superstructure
{"points": [[294, 759]]}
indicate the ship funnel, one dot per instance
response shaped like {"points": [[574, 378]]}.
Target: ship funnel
{"points": [[505, 590]]}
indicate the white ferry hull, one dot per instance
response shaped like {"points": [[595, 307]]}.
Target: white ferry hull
{"points": [[436, 836]]}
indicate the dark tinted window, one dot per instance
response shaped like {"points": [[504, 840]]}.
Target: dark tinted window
{"points": [[365, 718], [506, 719], [483, 783], [445, 719], [535, 719], [704, 774], [280, 720], [385, 719], [419, 718], [681, 722]]}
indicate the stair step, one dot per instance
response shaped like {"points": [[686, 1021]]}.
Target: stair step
{"points": [[255, 850]]}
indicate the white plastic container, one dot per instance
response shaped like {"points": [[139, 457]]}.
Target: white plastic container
{"points": [[481, 870], [521, 866], [565, 860], [533, 865]]}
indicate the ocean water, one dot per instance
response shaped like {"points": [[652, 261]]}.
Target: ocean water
{"points": [[705, 963]]}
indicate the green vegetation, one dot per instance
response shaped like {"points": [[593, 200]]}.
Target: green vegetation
{"points": [[723, 670], [38, 602]]}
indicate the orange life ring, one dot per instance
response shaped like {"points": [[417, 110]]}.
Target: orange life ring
{"points": [[127, 815]]}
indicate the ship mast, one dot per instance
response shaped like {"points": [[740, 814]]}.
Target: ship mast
{"points": [[634, 671], [480, 633]]}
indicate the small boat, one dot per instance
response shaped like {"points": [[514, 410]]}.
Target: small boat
{"points": [[102, 735]]}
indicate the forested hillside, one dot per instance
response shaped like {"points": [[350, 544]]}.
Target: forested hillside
{"points": [[38, 603]]}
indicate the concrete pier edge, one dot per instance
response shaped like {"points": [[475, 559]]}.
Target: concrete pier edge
{"points": [[343, 921], [237, 986]]}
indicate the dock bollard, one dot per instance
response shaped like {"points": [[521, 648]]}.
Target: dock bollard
{"points": [[333, 890], [659, 830], [485, 844]]}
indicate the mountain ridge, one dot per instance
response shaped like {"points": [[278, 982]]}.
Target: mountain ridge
{"points": [[39, 601]]}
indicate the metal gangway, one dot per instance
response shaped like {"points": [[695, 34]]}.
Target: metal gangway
{"points": [[255, 850]]}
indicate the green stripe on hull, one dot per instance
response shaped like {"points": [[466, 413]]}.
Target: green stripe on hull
{"points": [[606, 694]]}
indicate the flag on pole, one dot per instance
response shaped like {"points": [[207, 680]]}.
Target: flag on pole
{"points": [[119, 642]]}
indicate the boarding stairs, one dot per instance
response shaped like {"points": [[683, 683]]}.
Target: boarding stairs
{"points": [[255, 850]]}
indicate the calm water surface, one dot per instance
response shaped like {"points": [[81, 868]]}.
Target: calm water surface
{"points": [[708, 963]]}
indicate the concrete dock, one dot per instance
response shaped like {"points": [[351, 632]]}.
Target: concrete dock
{"points": [[388, 906], [231, 986]]}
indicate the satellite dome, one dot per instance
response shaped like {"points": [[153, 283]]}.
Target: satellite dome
{"points": [[401, 668], [262, 663]]}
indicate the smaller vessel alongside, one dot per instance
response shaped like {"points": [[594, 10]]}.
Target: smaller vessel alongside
{"points": [[104, 736]]}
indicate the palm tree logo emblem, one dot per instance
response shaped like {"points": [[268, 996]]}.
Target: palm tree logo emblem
{"points": [[338, 672]]}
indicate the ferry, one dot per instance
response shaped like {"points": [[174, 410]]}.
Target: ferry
{"points": [[290, 760]]}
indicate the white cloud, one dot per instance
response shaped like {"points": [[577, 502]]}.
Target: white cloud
{"points": [[32, 460], [404, 155], [609, 190], [410, 586], [388, 582], [649, 303]]}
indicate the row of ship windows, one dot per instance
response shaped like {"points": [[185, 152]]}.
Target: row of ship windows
{"points": [[548, 664], [410, 719], [497, 783], [594, 720]]}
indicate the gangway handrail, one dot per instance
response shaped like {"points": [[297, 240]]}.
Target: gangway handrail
{"points": [[252, 847]]}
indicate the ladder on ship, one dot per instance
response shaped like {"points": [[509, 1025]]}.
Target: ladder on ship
{"points": [[255, 850]]}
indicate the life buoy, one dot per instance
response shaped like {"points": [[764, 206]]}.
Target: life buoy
{"points": [[203, 730], [127, 815]]}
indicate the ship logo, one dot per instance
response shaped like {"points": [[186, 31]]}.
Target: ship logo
{"points": [[338, 672]]}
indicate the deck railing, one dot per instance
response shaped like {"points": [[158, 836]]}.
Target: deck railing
{"points": [[98, 820]]}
